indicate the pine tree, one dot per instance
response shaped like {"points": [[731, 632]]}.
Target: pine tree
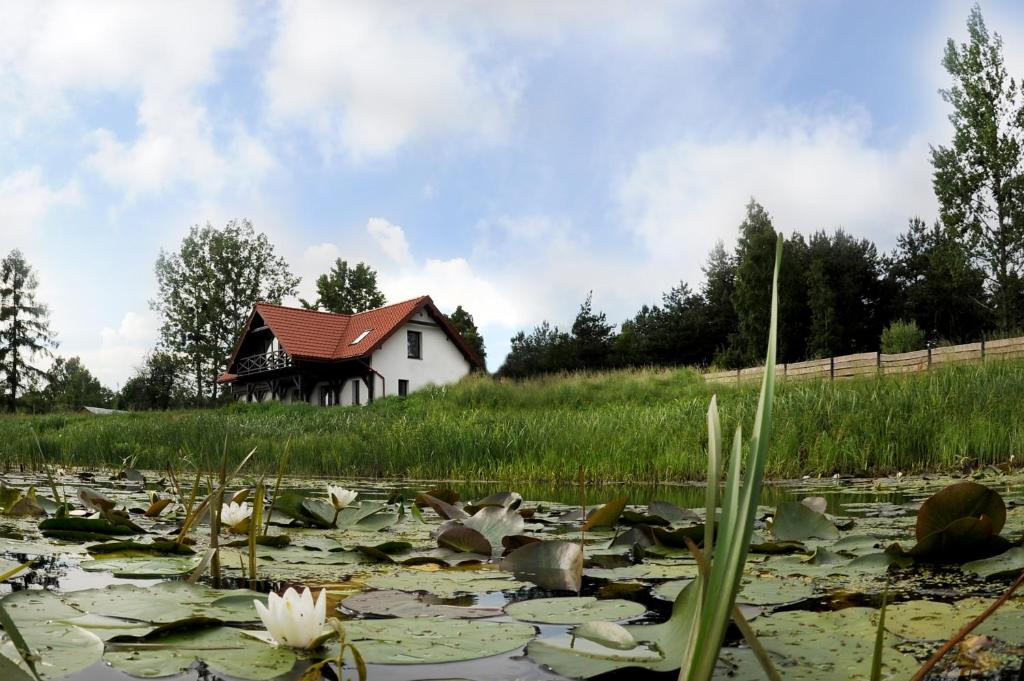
{"points": [[24, 327]]}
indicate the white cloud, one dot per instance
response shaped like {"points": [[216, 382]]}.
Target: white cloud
{"points": [[123, 348], [160, 55], [25, 200], [369, 76], [810, 172], [391, 239]]}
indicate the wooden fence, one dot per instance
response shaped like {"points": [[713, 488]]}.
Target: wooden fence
{"points": [[876, 363]]}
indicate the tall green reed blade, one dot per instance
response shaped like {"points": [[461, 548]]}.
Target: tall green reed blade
{"points": [[742, 492]]}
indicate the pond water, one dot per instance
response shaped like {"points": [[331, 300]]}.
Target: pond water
{"points": [[813, 601]]}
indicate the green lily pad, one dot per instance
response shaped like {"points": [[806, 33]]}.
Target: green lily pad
{"points": [[64, 648], [495, 523], [552, 564], [226, 650], [574, 610], [428, 641], [391, 603], [607, 515], [446, 583], [1009, 563], [795, 521], [607, 634], [830, 645], [142, 568]]}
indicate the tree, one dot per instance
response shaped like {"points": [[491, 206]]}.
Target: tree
{"points": [[592, 337], [546, 349], [936, 283], [844, 295], [72, 386], [979, 179], [719, 287], [155, 385], [464, 324], [346, 290], [206, 290], [24, 327]]}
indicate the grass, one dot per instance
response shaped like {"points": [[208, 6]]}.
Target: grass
{"points": [[643, 425]]}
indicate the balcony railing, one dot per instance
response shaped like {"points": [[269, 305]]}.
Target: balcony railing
{"points": [[266, 361]]}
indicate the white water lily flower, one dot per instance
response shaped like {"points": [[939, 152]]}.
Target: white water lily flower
{"points": [[233, 515], [293, 620], [340, 497]]}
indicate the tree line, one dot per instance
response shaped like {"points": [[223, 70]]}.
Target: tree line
{"points": [[957, 279]]}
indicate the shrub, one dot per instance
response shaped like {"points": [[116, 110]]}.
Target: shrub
{"points": [[902, 337]]}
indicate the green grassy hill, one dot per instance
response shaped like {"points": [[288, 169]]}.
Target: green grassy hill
{"points": [[630, 425]]}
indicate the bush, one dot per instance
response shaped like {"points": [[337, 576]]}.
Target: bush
{"points": [[902, 337]]}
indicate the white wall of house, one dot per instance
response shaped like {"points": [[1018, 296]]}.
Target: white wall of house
{"points": [[441, 361]]}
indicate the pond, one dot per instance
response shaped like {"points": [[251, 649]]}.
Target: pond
{"points": [[425, 597]]}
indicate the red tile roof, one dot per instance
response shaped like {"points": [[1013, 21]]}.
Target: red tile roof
{"points": [[325, 336]]}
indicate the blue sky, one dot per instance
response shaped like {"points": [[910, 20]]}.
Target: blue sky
{"points": [[507, 157]]}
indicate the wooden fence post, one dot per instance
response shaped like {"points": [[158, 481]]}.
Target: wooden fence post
{"points": [[831, 368]]}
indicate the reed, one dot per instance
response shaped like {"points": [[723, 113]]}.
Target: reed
{"points": [[637, 425]]}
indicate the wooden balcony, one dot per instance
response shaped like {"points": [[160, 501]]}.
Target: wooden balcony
{"points": [[266, 361]]}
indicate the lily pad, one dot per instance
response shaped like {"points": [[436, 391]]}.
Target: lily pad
{"points": [[226, 650], [446, 583], [608, 634], [552, 564], [142, 568], [464, 539], [574, 610], [427, 641], [795, 521], [64, 648], [391, 603], [1009, 563], [607, 515], [495, 523]]}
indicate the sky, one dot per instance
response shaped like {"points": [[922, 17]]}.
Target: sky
{"points": [[508, 157]]}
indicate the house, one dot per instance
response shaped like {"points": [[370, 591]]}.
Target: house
{"points": [[297, 355]]}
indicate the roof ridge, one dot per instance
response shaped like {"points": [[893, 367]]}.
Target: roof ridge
{"points": [[339, 314], [417, 299]]}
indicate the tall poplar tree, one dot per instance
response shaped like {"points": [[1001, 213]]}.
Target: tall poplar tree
{"points": [[979, 178]]}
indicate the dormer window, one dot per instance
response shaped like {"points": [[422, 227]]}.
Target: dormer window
{"points": [[361, 336]]}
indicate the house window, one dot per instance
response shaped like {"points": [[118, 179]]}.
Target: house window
{"points": [[361, 336], [326, 396], [355, 392], [415, 341], [403, 387]]}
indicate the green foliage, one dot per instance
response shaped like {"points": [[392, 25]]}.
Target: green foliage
{"points": [[24, 327], [463, 322], [844, 295], [72, 386], [902, 337], [936, 284], [632, 425], [206, 290], [979, 178], [346, 290], [155, 385]]}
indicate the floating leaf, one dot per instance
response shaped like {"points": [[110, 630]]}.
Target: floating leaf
{"points": [[795, 521], [429, 641], [442, 508], [553, 564], [495, 523], [224, 649], [1007, 564], [608, 634], [169, 566], [391, 603], [64, 649], [607, 515], [574, 610], [464, 539], [960, 523]]}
